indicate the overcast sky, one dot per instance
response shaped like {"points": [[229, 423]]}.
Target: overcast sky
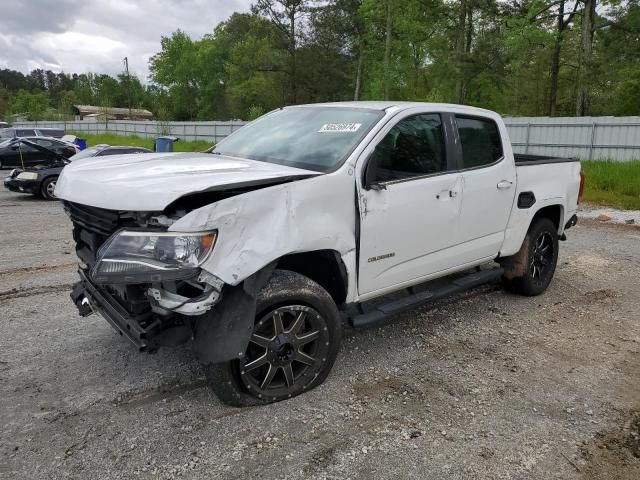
{"points": [[95, 35]]}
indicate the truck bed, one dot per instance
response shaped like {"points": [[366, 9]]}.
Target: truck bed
{"points": [[524, 159]]}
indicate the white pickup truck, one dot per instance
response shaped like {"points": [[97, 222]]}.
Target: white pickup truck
{"points": [[257, 251]]}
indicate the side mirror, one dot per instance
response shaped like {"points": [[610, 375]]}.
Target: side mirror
{"points": [[369, 181]]}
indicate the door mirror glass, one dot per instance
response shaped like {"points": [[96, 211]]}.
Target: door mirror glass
{"points": [[370, 173]]}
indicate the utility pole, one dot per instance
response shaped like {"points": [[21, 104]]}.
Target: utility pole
{"points": [[126, 69]]}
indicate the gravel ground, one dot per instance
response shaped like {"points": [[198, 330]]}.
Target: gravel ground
{"points": [[490, 385]]}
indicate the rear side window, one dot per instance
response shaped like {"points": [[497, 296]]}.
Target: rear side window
{"points": [[413, 147], [120, 151], [44, 142], [51, 132], [113, 151], [480, 139]]}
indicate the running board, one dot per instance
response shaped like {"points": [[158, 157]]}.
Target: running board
{"points": [[457, 285]]}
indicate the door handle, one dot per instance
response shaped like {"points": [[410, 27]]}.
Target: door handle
{"points": [[447, 194], [504, 184]]}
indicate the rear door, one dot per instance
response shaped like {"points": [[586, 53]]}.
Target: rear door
{"points": [[409, 203], [488, 187]]}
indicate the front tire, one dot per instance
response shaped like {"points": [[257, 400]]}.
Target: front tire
{"points": [[293, 346], [530, 271], [48, 187]]}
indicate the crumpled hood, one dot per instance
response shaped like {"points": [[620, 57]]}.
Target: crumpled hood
{"points": [[151, 181]]}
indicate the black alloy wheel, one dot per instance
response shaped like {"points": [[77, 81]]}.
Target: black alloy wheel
{"points": [[542, 255], [530, 271], [292, 348], [287, 349]]}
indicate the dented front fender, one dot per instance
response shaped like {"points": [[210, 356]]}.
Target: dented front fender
{"points": [[261, 226]]}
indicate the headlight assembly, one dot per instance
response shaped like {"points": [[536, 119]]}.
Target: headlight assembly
{"points": [[142, 256], [27, 176]]}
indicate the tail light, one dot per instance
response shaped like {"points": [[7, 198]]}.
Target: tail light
{"points": [[581, 191]]}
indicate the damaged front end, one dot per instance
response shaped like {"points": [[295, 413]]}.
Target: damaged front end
{"points": [[143, 279]]}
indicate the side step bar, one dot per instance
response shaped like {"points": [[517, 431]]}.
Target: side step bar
{"points": [[459, 284]]}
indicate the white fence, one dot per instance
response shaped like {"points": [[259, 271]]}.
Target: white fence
{"points": [[589, 138], [207, 131]]}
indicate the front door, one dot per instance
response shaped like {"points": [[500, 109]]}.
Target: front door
{"points": [[409, 206]]}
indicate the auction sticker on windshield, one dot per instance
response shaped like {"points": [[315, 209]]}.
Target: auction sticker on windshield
{"points": [[339, 127]]}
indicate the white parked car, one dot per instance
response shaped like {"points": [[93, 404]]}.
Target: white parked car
{"points": [[256, 251]]}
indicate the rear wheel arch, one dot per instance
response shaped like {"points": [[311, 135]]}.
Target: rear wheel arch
{"points": [[325, 267], [555, 213]]}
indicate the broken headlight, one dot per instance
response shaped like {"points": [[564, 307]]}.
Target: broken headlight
{"points": [[142, 256]]}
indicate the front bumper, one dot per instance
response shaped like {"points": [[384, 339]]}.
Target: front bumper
{"points": [[21, 186], [89, 297]]}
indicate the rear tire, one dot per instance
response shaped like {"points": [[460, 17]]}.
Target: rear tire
{"points": [[293, 347], [530, 271], [47, 188]]}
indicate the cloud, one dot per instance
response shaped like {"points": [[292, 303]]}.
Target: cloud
{"points": [[95, 35]]}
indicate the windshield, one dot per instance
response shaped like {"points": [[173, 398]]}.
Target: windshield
{"points": [[313, 138], [6, 133], [87, 152]]}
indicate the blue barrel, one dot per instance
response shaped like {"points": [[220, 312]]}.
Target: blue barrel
{"points": [[165, 144], [81, 143]]}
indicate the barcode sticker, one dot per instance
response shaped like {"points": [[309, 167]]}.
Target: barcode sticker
{"points": [[339, 127]]}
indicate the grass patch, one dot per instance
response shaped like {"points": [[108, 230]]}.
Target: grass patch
{"points": [[133, 141], [614, 184]]}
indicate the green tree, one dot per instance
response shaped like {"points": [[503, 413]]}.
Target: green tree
{"points": [[32, 104], [174, 69]]}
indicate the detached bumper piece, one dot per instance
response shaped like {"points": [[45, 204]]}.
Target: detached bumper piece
{"points": [[89, 298]]}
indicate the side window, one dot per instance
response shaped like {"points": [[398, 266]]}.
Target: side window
{"points": [[412, 148], [480, 139], [25, 133], [52, 132], [25, 147], [44, 143], [111, 151]]}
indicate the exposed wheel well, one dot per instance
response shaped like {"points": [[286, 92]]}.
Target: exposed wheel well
{"points": [[552, 212], [325, 267]]}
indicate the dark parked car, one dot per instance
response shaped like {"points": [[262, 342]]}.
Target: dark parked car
{"points": [[24, 152], [41, 179], [16, 132]]}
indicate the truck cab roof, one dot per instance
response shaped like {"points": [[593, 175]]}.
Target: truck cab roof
{"points": [[386, 105]]}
